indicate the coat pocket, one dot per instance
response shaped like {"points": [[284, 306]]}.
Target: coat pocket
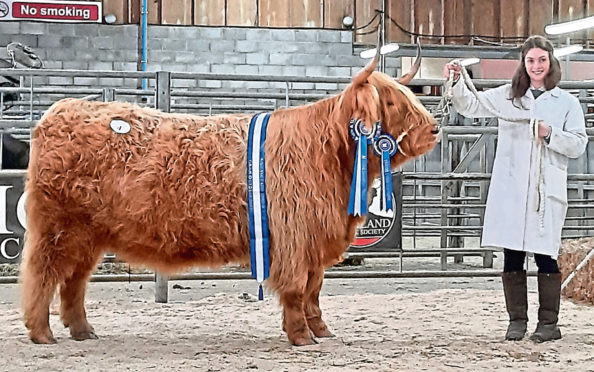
{"points": [[556, 184], [555, 203]]}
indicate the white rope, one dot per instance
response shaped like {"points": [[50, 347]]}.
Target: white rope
{"points": [[468, 81], [540, 199]]}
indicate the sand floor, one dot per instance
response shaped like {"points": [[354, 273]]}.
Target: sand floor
{"points": [[450, 324]]}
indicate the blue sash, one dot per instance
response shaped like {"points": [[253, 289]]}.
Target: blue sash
{"points": [[257, 207]]}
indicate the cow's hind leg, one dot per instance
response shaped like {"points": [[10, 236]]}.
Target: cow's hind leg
{"points": [[72, 297], [312, 304], [39, 278], [37, 292], [53, 256]]}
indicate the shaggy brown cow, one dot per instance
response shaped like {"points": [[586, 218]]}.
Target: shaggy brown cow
{"points": [[172, 194]]}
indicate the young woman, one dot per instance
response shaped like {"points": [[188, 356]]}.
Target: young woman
{"points": [[527, 199]]}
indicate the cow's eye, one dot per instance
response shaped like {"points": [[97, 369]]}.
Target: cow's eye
{"points": [[390, 103]]}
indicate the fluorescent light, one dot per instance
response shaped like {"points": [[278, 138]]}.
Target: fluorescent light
{"points": [[571, 26], [469, 61], [368, 53], [388, 48], [561, 52]]}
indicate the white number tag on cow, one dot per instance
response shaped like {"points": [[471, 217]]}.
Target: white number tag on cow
{"points": [[120, 126]]}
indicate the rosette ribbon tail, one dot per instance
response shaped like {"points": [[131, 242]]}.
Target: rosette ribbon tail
{"points": [[386, 202], [385, 146], [358, 197]]}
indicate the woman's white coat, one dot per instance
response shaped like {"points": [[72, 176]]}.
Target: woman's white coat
{"points": [[514, 217]]}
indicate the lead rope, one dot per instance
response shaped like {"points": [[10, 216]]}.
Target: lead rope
{"points": [[540, 202], [470, 85]]}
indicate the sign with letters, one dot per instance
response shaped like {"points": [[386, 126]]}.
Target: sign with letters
{"points": [[50, 11], [13, 221], [381, 230]]}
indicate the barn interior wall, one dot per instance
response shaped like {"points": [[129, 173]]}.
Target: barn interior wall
{"points": [[459, 22]]}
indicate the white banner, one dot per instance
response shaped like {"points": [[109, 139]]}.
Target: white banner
{"points": [[13, 220], [50, 11]]}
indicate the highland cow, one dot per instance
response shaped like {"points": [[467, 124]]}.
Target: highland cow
{"points": [[171, 193]]}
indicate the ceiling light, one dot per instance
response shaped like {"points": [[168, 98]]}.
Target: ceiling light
{"points": [[110, 18], [571, 26], [388, 48], [561, 52], [348, 21]]}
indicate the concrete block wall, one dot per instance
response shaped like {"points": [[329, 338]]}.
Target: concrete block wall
{"points": [[79, 46], [251, 51], [248, 51]]}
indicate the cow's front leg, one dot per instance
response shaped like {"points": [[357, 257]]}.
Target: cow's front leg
{"points": [[294, 321], [313, 313]]}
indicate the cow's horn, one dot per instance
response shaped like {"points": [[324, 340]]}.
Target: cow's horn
{"points": [[406, 78], [370, 67]]}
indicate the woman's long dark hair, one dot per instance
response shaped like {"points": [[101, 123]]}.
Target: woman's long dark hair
{"points": [[521, 80]]}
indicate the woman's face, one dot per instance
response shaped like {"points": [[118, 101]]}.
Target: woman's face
{"points": [[537, 66]]}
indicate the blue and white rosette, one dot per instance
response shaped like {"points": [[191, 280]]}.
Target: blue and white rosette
{"points": [[386, 146], [362, 137]]}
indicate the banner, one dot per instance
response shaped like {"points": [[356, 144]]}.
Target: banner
{"points": [[13, 220], [381, 230], [51, 11]]}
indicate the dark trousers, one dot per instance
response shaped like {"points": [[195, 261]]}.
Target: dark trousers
{"points": [[514, 261]]}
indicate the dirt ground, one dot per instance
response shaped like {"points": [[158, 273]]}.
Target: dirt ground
{"points": [[436, 324]]}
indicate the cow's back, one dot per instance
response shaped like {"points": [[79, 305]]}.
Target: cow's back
{"points": [[173, 183]]}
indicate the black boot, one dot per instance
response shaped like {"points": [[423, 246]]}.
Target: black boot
{"points": [[549, 298], [516, 302]]}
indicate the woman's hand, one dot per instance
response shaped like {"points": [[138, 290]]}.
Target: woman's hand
{"points": [[544, 130], [451, 68]]}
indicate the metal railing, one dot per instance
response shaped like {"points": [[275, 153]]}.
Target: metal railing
{"points": [[444, 191]]}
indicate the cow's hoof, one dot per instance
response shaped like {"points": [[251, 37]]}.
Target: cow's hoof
{"points": [[86, 335], [319, 328], [43, 340], [323, 332], [304, 341]]}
